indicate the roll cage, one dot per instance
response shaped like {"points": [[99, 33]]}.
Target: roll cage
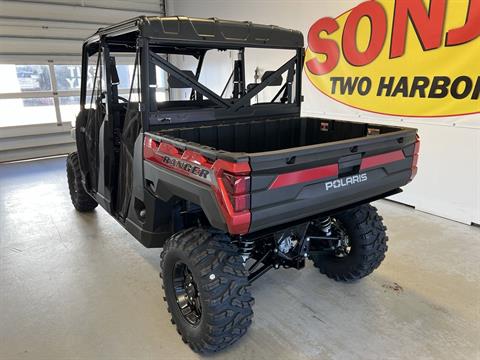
{"points": [[152, 40]]}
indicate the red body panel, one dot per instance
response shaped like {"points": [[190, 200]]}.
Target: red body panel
{"points": [[306, 175], [381, 159]]}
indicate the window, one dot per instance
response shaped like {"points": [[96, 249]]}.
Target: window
{"points": [[32, 94], [221, 72], [24, 78], [259, 63], [26, 111], [69, 77], [69, 108], [26, 95], [125, 73], [218, 81]]}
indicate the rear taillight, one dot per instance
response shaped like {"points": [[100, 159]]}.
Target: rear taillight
{"points": [[238, 190], [233, 194], [416, 150]]}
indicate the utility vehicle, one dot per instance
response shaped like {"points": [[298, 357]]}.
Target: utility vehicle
{"points": [[213, 162]]}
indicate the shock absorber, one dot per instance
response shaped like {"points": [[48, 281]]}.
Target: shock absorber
{"points": [[245, 246], [325, 224]]}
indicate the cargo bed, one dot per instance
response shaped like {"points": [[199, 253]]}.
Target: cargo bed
{"points": [[302, 167], [273, 135]]}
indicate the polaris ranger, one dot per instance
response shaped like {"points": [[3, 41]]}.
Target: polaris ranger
{"points": [[231, 181]]}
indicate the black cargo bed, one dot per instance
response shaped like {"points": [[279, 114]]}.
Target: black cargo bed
{"points": [[273, 135]]}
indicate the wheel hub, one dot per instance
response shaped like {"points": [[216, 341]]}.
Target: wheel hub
{"points": [[343, 247]]}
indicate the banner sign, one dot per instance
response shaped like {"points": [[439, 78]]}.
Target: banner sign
{"points": [[400, 57]]}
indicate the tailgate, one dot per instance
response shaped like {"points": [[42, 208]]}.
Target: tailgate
{"points": [[292, 184]]}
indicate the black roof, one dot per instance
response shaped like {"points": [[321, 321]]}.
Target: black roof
{"points": [[200, 32]]}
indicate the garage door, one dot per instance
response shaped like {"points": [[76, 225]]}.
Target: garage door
{"points": [[40, 48]]}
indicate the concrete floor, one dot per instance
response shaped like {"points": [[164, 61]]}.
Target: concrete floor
{"points": [[79, 286]]}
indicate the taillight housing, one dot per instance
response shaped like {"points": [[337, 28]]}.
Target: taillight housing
{"points": [[233, 194], [238, 189], [416, 150]]}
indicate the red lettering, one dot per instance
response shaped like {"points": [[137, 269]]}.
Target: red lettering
{"points": [[428, 26], [378, 31], [327, 47], [470, 30]]}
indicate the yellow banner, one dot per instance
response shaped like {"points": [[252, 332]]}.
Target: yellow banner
{"points": [[400, 57]]}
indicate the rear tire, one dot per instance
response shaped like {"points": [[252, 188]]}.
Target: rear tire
{"points": [[82, 201], [216, 310], [368, 242]]}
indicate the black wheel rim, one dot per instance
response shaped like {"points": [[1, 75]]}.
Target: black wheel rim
{"points": [[186, 293]]}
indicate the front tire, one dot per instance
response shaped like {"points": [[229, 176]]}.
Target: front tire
{"points": [[82, 201], [367, 245], [206, 289]]}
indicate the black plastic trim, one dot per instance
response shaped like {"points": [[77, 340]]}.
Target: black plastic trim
{"points": [[182, 30], [166, 184]]}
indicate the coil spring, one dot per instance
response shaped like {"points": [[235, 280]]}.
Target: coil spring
{"points": [[326, 225], [245, 246]]}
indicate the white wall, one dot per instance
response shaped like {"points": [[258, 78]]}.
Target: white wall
{"points": [[448, 181]]}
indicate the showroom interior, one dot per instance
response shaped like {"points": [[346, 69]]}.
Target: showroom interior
{"points": [[75, 284]]}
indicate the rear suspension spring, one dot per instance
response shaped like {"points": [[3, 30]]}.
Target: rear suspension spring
{"points": [[325, 224], [245, 246]]}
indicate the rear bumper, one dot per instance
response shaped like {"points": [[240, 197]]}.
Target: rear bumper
{"points": [[303, 201], [309, 200]]}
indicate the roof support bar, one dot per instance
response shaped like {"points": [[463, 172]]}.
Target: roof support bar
{"points": [[187, 80], [197, 73]]}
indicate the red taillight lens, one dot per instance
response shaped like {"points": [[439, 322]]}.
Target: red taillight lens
{"points": [[240, 202], [236, 184], [238, 188], [232, 190]]}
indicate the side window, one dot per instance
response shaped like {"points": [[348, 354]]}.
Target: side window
{"points": [[26, 96]]}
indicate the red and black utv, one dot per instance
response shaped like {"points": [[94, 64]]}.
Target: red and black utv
{"points": [[230, 180]]}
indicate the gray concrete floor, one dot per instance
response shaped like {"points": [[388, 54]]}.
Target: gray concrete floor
{"points": [[79, 286]]}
